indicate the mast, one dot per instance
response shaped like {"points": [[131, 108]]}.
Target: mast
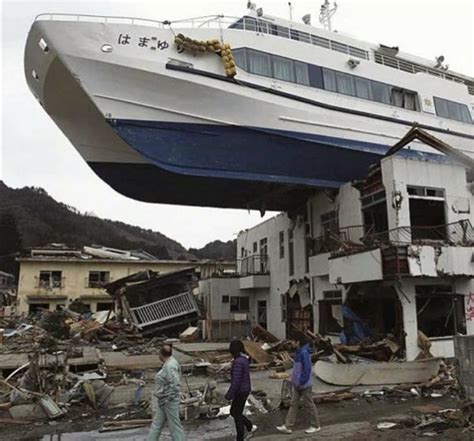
{"points": [[326, 14]]}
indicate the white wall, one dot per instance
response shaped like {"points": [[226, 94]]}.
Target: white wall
{"points": [[398, 172]]}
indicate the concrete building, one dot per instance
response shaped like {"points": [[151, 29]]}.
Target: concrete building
{"points": [[397, 248], [56, 275]]}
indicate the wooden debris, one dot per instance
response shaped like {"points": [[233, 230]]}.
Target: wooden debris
{"points": [[280, 375], [263, 335], [255, 352]]}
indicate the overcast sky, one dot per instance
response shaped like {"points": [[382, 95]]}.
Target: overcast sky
{"points": [[35, 153]]}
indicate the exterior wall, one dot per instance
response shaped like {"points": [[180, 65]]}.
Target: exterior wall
{"points": [[398, 172], [75, 273], [278, 267], [354, 268]]}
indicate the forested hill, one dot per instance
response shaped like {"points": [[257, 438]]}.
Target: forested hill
{"points": [[39, 220]]}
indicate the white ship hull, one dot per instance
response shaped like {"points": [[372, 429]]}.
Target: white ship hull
{"points": [[142, 117]]}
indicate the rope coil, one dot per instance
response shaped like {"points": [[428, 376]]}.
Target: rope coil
{"points": [[213, 46]]}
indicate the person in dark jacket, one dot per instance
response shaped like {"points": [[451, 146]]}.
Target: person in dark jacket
{"points": [[239, 389], [302, 383]]}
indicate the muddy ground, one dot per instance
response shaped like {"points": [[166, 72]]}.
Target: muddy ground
{"points": [[349, 420]]}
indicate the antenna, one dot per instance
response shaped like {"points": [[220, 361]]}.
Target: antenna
{"points": [[291, 10], [326, 14]]}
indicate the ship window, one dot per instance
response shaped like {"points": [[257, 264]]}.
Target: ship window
{"points": [[381, 92], [345, 83], [304, 37], [315, 76], [250, 24], [452, 110], [320, 41], [283, 69], [282, 31], [329, 80], [259, 63], [302, 73], [240, 58], [362, 88], [339, 47], [404, 98], [294, 34]]}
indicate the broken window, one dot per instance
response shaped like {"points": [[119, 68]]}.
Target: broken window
{"points": [[37, 307], [282, 244], [255, 247], [330, 314], [50, 279], [427, 213], [374, 210], [104, 306], [291, 253], [239, 304], [441, 313], [330, 221], [225, 299], [98, 279]]}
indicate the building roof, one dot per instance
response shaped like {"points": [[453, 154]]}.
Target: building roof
{"points": [[100, 254]]}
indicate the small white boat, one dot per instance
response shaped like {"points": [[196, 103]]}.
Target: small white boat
{"points": [[373, 374]]}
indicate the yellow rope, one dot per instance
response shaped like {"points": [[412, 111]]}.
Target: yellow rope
{"points": [[214, 46]]}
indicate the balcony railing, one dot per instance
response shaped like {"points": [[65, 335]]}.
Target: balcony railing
{"points": [[252, 265], [458, 233], [333, 240], [355, 238], [50, 284]]}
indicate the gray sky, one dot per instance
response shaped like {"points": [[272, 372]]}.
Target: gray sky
{"points": [[35, 153]]}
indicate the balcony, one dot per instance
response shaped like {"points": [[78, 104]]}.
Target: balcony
{"points": [[254, 272], [428, 251], [355, 239], [50, 284]]}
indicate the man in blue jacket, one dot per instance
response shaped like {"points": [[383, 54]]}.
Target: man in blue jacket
{"points": [[302, 382]]}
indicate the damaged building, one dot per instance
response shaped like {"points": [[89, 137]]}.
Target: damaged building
{"points": [[55, 276], [155, 302], [391, 255]]}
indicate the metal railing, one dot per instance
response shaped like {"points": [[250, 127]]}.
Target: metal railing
{"points": [[207, 21], [253, 265], [246, 23], [459, 233], [165, 309], [408, 66], [50, 284], [333, 240]]}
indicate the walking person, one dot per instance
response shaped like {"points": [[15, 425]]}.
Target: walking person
{"points": [[167, 393], [302, 383], [239, 389]]}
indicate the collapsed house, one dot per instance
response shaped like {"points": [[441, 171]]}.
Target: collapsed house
{"points": [[155, 302], [391, 255]]}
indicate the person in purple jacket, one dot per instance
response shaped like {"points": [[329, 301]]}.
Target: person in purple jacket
{"points": [[302, 383], [239, 389]]}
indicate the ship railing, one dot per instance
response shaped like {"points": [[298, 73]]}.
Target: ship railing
{"points": [[206, 21]]}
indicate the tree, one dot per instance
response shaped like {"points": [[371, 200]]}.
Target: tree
{"points": [[10, 238]]}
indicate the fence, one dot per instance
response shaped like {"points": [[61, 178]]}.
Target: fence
{"points": [[172, 307], [254, 264]]}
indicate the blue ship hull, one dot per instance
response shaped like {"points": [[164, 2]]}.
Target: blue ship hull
{"points": [[233, 167]]}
